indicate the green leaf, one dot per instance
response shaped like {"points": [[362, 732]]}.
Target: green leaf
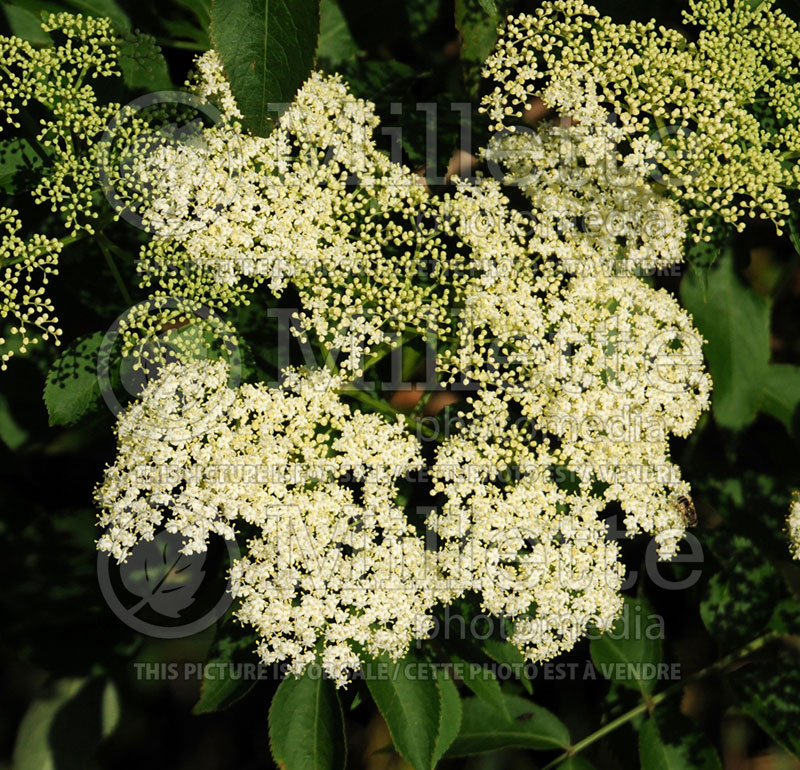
{"points": [[99, 8], [485, 729], [63, 727], [200, 8], [503, 652], [702, 255], [422, 14], [25, 24], [449, 715], [735, 323], [411, 707], [11, 434], [223, 683], [781, 395], [739, 602], [507, 654], [336, 44], [193, 30], [477, 22], [736, 498], [767, 690], [183, 31], [380, 81], [484, 684], [306, 724], [267, 49], [675, 745], [627, 654], [142, 63], [786, 617], [71, 388], [16, 157]]}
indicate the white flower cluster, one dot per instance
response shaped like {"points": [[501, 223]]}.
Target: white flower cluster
{"points": [[332, 565], [532, 551], [627, 366], [793, 525], [602, 363], [722, 106], [598, 372], [314, 204], [582, 373], [593, 208]]}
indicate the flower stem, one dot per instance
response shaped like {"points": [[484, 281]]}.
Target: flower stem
{"points": [[650, 702], [422, 403], [104, 243]]}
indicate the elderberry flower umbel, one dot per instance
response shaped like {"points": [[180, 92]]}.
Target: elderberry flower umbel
{"points": [[59, 143], [579, 371], [722, 108], [27, 267], [331, 562]]}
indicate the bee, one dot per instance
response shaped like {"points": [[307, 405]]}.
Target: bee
{"points": [[687, 510]]}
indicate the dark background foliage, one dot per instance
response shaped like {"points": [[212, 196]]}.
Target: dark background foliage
{"points": [[66, 660]]}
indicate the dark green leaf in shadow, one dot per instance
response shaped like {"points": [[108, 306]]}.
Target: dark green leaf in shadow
{"points": [[669, 741], [767, 690], [268, 49], [523, 725], [306, 724], [630, 652]]}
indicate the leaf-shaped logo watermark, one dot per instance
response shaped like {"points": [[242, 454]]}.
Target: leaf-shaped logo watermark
{"points": [[174, 589], [165, 579]]}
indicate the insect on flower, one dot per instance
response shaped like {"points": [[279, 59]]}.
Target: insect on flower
{"points": [[686, 507]]}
